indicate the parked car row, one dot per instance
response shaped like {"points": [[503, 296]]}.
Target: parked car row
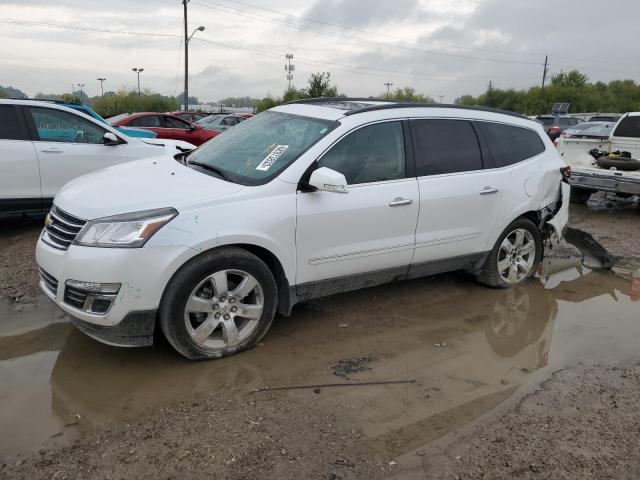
{"points": [[43, 145]]}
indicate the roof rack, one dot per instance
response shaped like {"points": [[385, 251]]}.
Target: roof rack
{"points": [[387, 104], [434, 105], [50, 100], [338, 99]]}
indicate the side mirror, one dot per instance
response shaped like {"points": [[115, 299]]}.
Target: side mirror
{"points": [[326, 180], [111, 139]]}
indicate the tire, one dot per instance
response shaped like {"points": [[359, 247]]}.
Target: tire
{"points": [[526, 256], [579, 195], [619, 163], [201, 294]]}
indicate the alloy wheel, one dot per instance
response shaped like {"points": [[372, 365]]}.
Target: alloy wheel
{"points": [[516, 256]]}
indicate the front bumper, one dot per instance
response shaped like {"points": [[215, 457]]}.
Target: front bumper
{"points": [[142, 272], [606, 182]]}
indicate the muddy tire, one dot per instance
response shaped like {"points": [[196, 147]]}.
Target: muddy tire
{"points": [[514, 257], [579, 195], [619, 163], [218, 304]]}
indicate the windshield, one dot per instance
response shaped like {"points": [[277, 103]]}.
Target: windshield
{"points": [[115, 119], [597, 131], [546, 120], [209, 119], [256, 150]]}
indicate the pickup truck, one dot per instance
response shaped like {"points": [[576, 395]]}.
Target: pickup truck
{"points": [[588, 177]]}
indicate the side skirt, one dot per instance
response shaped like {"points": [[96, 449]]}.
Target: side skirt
{"points": [[323, 288]]}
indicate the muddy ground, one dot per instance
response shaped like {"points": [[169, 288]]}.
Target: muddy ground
{"points": [[540, 381]]}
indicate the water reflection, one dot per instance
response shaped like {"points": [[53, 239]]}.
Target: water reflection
{"points": [[467, 347]]}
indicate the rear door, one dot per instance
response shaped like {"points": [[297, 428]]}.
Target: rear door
{"points": [[459, 200], [19, 173], [67, 146], [372, 227]]}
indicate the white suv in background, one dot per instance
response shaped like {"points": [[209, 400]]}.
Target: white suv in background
{"points": [[44, 145], [307, 199]]}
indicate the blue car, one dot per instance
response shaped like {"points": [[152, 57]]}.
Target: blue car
{"points": [[131, 132]]}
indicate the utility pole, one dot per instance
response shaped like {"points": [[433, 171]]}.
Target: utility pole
{"points": [[288, 67], [186, 58], [388, 85], [138, 71], [81, 85], [101, 87], [187, 39], [545, 71], [490, 85]]}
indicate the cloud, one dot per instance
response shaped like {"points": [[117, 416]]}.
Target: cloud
{"points": [[361, 13]]}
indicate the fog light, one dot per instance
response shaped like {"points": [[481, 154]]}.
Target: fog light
{"points": [[94, 287], [90, 297]]}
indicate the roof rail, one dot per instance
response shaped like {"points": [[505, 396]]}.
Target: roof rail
{"points": [[50, 100], [433, 105], [338, 99]]}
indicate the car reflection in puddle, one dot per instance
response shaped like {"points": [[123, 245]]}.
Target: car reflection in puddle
{"points": [[468, 348]]}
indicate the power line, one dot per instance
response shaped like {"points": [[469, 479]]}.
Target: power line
{"points": [[80, 28], [236, 11]]}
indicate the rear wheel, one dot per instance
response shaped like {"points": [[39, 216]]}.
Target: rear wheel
{"points": [[218, 304], [579, 195], [514, 257]]}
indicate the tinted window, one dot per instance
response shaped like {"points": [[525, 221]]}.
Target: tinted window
{"points": [[170, 122], [445, 146], [152, 121], [9, 128], [628, 127], [548, 121], [509, 144], [58, 126], [370, 154]]}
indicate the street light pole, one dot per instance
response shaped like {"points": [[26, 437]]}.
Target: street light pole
{"points": [[187, 38], [388, 84], [101, 87], [138, 71], [81, 85]]}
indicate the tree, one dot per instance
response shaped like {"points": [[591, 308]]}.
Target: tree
{"points": [[11, 92], [572, 79], [320, 86], [192, 100], [267, 103], [292, 93], [128, 101], [407, 94]]}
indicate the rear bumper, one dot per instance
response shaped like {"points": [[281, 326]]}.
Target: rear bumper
{"points": [[607, 182]]}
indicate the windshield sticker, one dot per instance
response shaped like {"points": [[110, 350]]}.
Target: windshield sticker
{"points": [[272, 157]]}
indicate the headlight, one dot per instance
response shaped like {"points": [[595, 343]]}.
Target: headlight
{"points": [[131, 230]]}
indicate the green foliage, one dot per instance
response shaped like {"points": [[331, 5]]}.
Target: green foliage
{"points": [[10, 92], [292, 93], [267, 103], [572, 87], [192, 100], [320, 86], [407, 94], [128, 101]]}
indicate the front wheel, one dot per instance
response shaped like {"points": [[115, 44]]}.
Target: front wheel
{"points": [[219, 303], [515, 256]]}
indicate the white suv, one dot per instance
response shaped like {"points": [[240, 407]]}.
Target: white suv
{"points": [[43, 145], [307, 199]]}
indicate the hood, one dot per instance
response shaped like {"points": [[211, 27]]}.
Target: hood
{"points": [[140, 185]]}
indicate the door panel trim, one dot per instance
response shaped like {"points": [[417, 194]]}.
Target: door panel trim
{"points": [[452, 238], [363, 253]]}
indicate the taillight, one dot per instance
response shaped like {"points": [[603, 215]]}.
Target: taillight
{"points": [[554, 129]]}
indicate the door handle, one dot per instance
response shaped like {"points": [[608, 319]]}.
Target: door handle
{"points": [[488, 190], [51, 150], [399, 202]]}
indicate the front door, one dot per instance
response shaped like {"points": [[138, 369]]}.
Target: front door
{"points": [[68, 146], [372, 227]]}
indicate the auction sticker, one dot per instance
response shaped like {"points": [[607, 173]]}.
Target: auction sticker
{"points": [[272, 157]]}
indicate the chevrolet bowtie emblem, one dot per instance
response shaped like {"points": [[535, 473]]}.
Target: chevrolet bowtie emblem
{"points": [[48, 220]]}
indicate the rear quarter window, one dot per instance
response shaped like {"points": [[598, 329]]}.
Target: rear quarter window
{"points": [[9, 127], [509, 144], [628, 127]]}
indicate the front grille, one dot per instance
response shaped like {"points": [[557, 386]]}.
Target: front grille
{"points": [[75, 297], [61, 228], [48, 281]]}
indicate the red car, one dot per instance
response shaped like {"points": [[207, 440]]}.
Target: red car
{"points": [[165, 126], [188, 116]]}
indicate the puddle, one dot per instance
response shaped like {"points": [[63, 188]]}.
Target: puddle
{"points": [[467, 347]]}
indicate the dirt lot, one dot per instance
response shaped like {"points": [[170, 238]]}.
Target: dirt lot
{"points": [[540, 381]]}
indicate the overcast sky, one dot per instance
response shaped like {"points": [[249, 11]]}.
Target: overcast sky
{"points": [[439, 47]]}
